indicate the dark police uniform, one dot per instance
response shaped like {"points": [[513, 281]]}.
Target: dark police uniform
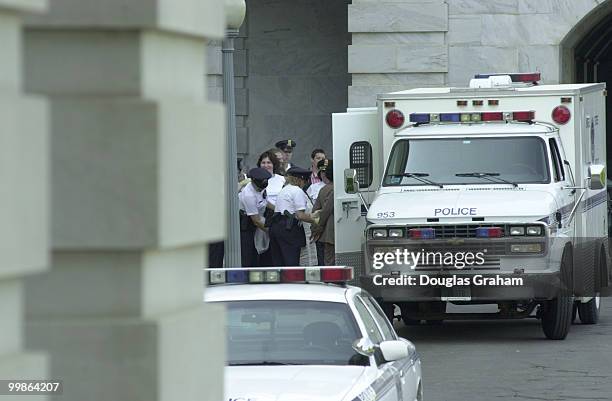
{"points": [[252, 203], [286, 232]]}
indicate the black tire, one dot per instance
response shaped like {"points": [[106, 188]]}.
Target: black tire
{"points": [[589, 312], [557, 316], [408, 308]]}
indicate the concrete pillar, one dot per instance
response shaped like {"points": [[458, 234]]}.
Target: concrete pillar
{"points": [[137, 183], [23, 196]]}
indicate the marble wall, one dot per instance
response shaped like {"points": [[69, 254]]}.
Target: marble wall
{"points": [[403, 44]]}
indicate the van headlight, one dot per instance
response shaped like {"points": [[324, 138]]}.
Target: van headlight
{"points": [[396, 232], [379, 233], [534, 230], [517, 230]]}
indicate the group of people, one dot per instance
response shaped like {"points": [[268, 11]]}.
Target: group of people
{"points": [[286, 212]]}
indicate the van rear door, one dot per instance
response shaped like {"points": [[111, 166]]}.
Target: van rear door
{"points": [[356, 145]]}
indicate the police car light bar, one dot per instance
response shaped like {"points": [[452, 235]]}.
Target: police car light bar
{"points": [[520, 116], [270, 275]]}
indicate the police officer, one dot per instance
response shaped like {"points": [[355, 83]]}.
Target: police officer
{"points": [[286, 146], [252, 207], [286, 232]]}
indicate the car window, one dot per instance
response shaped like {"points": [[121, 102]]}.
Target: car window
{"points": [[387, 330], [291, 332], [369, 322]]}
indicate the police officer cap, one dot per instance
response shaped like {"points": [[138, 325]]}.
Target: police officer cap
{"points": [[259, 173], [298, 172], [285, 144]]}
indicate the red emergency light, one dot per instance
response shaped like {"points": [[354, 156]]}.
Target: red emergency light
{"points": [[493, 116], [561, 115], [395, 118], [523, 116]]}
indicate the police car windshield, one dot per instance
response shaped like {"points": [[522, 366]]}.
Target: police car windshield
{"points": [[519, 159], [291, 333]]}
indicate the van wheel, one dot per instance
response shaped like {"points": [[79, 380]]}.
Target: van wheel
{"points": [[589, 312], [409, 309], [557, 316]]}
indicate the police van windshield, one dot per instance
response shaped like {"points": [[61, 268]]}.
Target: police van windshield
{"points": [[291, 333], [451, 161]]}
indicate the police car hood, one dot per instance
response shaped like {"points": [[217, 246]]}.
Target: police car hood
{"points": [[448, 204], [291, 383]]}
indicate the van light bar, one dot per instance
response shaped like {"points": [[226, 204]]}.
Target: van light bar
{"points": [[521, 116], [530, 77], [271, 275]]}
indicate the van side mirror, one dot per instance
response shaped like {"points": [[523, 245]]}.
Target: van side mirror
{"points": [[351, 186], [597, 176]]}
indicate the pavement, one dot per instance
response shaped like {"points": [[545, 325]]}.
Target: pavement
{"points": [[512, 360]]}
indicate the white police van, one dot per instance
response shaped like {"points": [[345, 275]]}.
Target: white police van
{"points": [[495, 193], [303, 334]]}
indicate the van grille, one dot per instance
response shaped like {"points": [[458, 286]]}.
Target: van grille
{"points": [[460, 230]]}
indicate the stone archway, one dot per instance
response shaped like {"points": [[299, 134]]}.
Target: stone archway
{"points": [[586, 53]]}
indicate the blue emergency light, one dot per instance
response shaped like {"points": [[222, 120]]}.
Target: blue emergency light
{"points": [[419, 118], [450, 117], [238, 276]]}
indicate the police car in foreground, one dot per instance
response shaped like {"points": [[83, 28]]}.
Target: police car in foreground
{"points": [[302, 334]]}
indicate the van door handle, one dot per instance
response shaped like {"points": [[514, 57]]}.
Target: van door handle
{"points": [[348, 206]]}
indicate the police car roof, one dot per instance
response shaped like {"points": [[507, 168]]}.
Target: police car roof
{"points": [[298, 292], [476, 129]]}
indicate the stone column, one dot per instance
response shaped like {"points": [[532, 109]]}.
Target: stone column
{"points": [[23, 196], [396, 45], [137, 183]]}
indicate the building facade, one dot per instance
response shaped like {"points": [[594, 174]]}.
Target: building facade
{"points": [[302, 60]]}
